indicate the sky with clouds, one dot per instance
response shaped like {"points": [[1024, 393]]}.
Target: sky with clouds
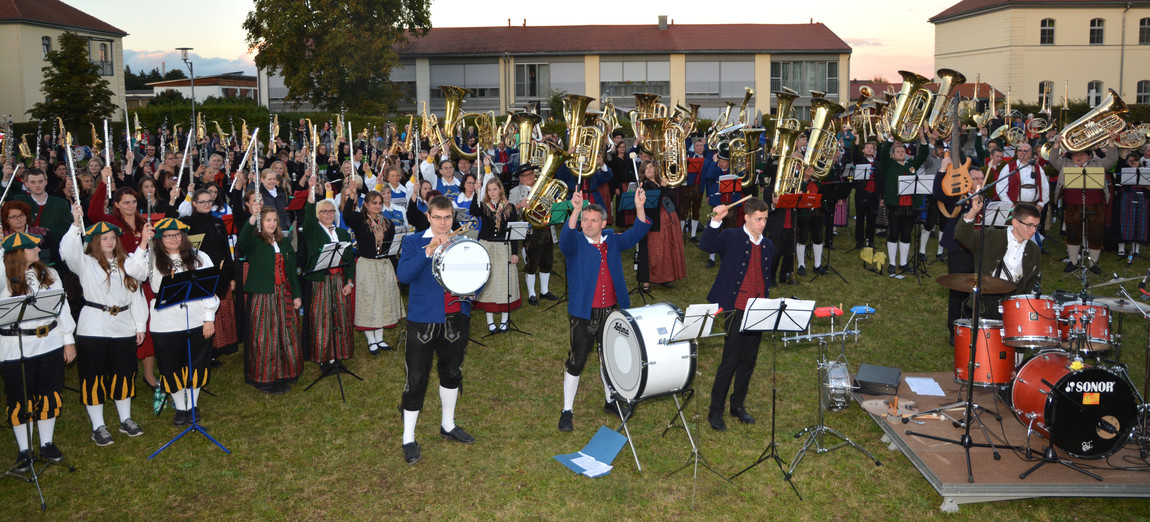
{"points": [[897, 36]]}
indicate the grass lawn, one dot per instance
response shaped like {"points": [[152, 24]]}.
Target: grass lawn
{"points": [[306, 455]]}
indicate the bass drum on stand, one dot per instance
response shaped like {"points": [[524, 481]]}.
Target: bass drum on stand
{"points": [[639, 360]]}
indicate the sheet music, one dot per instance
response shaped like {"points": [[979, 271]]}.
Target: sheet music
{"points": [[861, 172]]}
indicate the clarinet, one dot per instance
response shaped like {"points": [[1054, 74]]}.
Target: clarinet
{"points": [[39, 139]]}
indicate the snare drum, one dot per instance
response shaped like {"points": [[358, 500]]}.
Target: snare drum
{"points": [[1088, 319], [835, 377], [1029, 322], [993, 361], [639, 358], [1089, 413], [461, 266]]}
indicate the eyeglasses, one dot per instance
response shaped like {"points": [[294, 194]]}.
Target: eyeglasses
{"points": [[327, 211], [203, 202], [1029, 226], [18, 216], [172, 235]]}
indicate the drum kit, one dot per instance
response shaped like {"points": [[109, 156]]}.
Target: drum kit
{"points": [[1048, 361]]}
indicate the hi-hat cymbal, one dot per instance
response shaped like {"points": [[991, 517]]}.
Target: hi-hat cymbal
{"points": [[1122, 305], [967, 282]]}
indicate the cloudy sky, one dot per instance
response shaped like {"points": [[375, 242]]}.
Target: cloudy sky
{"points": [[895, 37]]}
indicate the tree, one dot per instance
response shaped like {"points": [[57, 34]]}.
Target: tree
{"points": [[168, 97], [72, 86], [335, 53], [175, 74]]}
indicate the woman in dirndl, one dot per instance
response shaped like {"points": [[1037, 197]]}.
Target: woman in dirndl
{"points": [[329, 313], [272, 354], [377, 301], [1133, 212], [662, 259], [501, 293]]}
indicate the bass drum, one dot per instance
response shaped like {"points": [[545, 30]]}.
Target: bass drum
{"points": [[1089, 413], [639, 360], [461, 266]]}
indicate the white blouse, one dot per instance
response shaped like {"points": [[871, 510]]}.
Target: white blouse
{"points": [[102, 288]]}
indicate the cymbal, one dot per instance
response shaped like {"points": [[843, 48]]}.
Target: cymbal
{"points": [[1123, 305], [967, 282], [1116, 281]]}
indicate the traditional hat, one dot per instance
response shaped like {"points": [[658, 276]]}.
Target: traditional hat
{"points": [[20, 241], [524, 168], [102, 227], [167, 224], [725, 150]]}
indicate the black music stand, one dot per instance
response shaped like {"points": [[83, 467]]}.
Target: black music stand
{"points": [[13, 311], [916, 185], [775, 315], [560, 211], [179, 290], [1083, 179], [794, 202], [516, 231], [331, 256], [627, 202], [860, 173]]}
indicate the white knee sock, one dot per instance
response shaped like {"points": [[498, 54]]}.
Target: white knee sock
{"points": [[409, 418], [801, 255], [712, 257], [903, 253], [490, 319], [503, 319], [96, 415], [21, 437], [530, 285], [379, 337], [694, 227], [940, 249], [46, 427], [892, 252], [370, 336], [124, 408], [544, 282], [195, 397], [1094, 255], [818, 250], [923, 237], [570, 386], [1072, 253], [448, 397], [180, 401]]}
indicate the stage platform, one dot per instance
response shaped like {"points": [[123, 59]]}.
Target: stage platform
{"points": [[943, 464]]}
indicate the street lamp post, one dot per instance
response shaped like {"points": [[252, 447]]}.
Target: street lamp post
{"points": [[192, 73]]}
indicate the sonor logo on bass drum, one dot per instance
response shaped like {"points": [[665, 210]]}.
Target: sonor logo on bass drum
{"points": [[1088, 387], [623, 330]]}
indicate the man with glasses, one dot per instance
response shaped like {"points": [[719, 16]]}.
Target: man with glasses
{"points": [[1007, 254]]}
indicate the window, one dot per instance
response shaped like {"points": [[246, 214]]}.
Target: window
{"points": [[1046, 32], [532, 80], [624, 79], [1144, 31], [99, 53], [805, 76], [832, 78], [1143, 92], [726, 79], [1094, 93], [46, 45], [481, 78], [1097, 27]]}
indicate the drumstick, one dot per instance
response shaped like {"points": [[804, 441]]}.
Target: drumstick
{"points": [[729, 205]]}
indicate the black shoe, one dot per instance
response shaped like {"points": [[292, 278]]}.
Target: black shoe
{"points": [[1095, 270], [922, 258], [710, 263], [456, 434], [492, 328], [741, 414], [821, 270], [802, 270], [890, 270], [23, 461], [609, 409], [1070, 267], [411, 452], [130, 428], [533, 301], [565, 420], [941, 258], [216, 363], [384, 347], [503, 328], [101, 436], [51, 452], [716, 420], [550, 296], [197, 414], [906, 269], [373, 348], [182, 418]]}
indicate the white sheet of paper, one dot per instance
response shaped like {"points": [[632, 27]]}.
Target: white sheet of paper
{"points": [[925, 386], [591, 467]]}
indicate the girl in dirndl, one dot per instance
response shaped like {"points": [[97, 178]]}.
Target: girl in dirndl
{"points": [[662, 258], [329, 312], [501, 293], [272, 353], [1134, 213], [377, 301]]}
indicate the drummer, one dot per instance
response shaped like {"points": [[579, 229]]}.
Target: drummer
{"points": [[1008, 254]]}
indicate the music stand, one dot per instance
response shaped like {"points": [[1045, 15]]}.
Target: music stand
{"points": [[794, 202], [1083, 179], [516, 231], [916, 185], [13, 311], [560, 211], [627, 202], [997, 214], [393, 249], [775, 315], [179, 290], [331, 256]]}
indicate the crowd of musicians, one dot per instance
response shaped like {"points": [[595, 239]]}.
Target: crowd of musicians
{"points": [[154, 214]]}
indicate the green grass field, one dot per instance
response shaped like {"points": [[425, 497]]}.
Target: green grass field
{"points": [[306, 455]]}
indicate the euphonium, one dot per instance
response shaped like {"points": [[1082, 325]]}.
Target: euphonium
{"points": [[587, 139], [646, 106], [911, 106], [453, 115], [822, 147], [784, 118], [789, 175], [529, 151], [944, 102], [859, 119], [744, 150], [609, 120], [486, 131], [668, 147], [743, 116], [714, 133], [1094, 127], [1131, 139], [547, 190]]}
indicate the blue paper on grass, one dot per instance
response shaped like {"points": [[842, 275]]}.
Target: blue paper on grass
{"points": [[596, 457]]}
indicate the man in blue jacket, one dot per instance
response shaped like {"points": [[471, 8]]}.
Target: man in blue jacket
{"points": [[595, 286], [745, 273], [437, 325]]}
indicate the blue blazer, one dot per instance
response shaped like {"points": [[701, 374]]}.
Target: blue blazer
{"points": [[583, 265], [425, 296], [734, 246], [711, 173]]}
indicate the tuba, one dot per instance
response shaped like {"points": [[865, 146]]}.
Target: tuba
{"points": [[587, 138], [784, 115], [911, 107], [668, 147], [823, 145], [1094, 127], [945, 101], [789, 175], [453, 116], [529, 151], [646, 106], [547, 190], [744, 150], [743, 116]]}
